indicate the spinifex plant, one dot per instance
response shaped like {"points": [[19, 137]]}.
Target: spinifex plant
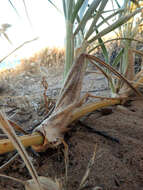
{"points": [[83, 27], [125, 61], [68, 108], [82, 21]]}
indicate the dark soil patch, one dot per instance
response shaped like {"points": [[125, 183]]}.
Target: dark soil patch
{"points": [[117, 166]]}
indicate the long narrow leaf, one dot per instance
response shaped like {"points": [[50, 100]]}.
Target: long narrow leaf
{"points": [[83, 8], [105, 53], [64, 8], [76, 9], [104, 20], [115, 39], [54, 5], [109, 17], [78, 20], [89, 166], [103, 72], [117, 3], [108, 24], [91, 57], [87, 15], [26, 11], [14, 8], [70, 9], [96, 17], [115, 25], [118, 57], [1, 60]]}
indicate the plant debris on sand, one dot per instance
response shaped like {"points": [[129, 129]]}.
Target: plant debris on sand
{"points": [[118, 165]]}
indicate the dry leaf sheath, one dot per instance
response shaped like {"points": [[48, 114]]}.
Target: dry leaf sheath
{"points": [[54, 127], [68, 108]]}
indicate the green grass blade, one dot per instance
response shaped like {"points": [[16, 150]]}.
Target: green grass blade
{"points": [[115, 25], [105, 53], [5, 57], [78, 5], [108, 77], [69, 43], [14, 8], [108, 24], [114, 39], [87, 15], [83, 8], [54, 5], [110, 68], [118, 57], [96, 18], [26, 11], [64, 9], [80, 16], [70, 9], [117, 3], [82, 29], [104, 21], [109, 17]]}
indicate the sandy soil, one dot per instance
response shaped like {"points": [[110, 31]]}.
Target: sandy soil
{"points": [[119, 160]]}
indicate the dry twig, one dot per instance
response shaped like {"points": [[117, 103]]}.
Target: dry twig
{"points": [[89, 166]]}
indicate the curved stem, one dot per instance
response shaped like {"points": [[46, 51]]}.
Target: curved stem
{"points": [[37, 139], [131, 39], [92, 107], [27, 140]]}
